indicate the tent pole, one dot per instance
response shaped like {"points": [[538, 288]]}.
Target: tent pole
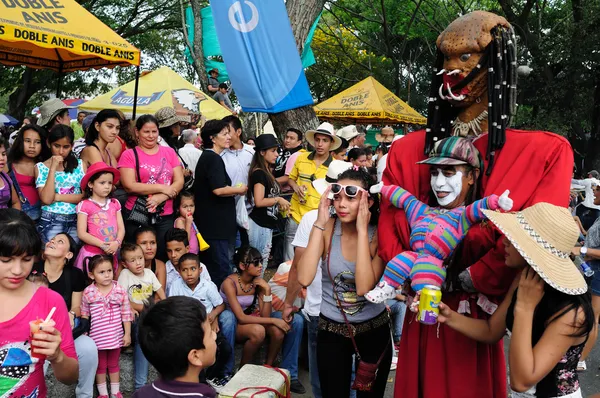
{"points": [[59, 83], [135, 92]]}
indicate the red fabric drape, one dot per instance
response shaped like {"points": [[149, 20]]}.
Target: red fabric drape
{"points": [[536, 167]]}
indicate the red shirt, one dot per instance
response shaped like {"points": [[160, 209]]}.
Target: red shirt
{"points": [[535, 167]]}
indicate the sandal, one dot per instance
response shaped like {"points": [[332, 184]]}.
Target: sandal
{"points": [[581, 366]]}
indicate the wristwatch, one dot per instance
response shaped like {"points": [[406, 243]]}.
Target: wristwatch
{"points": [[583, 250]]}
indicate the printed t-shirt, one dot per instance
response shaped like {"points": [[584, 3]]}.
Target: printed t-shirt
{"points": [[20, 374], [101, 220], [64, 184], [154, 169], [139, 288], [214, 215], [266, 217], [71, 280], [305, 171]]}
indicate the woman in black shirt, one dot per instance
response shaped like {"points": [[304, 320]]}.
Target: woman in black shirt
{"points": [[68, 281], [215, 204], [264, 192]]}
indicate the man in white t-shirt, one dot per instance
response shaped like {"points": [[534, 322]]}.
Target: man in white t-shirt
{"points": [[312, 305]]}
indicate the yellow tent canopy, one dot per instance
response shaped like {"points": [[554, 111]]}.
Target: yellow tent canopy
{"points": [[158, 89], [368, 102], [60, 35]]}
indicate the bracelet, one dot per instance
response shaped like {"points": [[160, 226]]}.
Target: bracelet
{"points": [[119, 242], [318, 227], [267, 299]]}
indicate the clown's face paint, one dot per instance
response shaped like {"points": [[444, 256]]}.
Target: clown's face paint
{"points": [[446, 185]]}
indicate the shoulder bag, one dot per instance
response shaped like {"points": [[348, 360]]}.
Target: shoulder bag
{"points": [[139, 212]]}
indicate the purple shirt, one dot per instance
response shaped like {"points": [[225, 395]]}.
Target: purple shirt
{"points": [[175, 389]]}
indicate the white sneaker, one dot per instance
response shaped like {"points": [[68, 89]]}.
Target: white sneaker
{"points": [[394, 363], [381, 293], [581, 366]]}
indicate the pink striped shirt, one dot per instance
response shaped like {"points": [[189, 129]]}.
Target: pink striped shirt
{"points": [[107, 314]]}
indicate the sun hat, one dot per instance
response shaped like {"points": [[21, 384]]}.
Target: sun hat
{"points": [[595, 174], [167, 117], [264, 142], [544, 234], [348, 132], [50, 109], [324, 129], [213, 70], [336, 167], [99, 168], [453, 151]]}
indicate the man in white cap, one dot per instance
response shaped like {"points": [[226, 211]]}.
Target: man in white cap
{"points": [[355, 138], [53, 112], [307, 168], [312, 305]]}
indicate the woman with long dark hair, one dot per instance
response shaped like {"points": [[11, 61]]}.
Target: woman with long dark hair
{"points": [[103, 131], [265, 194], [58, 182], [348, 323]]}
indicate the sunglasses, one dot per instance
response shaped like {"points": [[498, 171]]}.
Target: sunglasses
{"points": [[350, 190], [255, 262]]}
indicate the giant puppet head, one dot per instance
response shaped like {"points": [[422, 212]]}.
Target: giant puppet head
{"points": [[474, 81]]}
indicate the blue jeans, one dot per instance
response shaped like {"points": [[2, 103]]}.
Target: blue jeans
{"points": [[228, 327], [140, 363], [52, 224], [33, 211], [217, 260], [291, 342], [260, 238], [87, 356], [398, 311], [313, 327]]}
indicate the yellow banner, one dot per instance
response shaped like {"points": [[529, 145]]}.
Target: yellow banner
{"points": [[59, 35]]}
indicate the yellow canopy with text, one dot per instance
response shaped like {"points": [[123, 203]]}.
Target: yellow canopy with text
{"points": [[60, 35], [368, 102], [158, 89]]}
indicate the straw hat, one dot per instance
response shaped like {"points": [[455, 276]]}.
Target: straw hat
{"points": [[50, 109], [544, 234], [348, 132], [167, 117], [324, 129]]}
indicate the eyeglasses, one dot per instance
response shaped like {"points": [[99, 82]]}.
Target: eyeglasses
{"points": [[350, 190]]}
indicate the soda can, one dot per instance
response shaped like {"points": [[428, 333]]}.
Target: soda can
{"points": [[429, 305]]}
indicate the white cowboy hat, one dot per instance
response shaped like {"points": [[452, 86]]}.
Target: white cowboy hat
{"points": [[324, 129], [336, 167], [348, 132], [545, 234]]}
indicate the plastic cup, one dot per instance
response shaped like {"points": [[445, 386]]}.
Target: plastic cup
{"points": [[38, 326]]}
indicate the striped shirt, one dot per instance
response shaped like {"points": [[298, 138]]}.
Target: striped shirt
{"points": [[434, 230], [107, 314]]}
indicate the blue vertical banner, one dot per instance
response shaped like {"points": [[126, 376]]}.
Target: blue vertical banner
{"points": [[260, 54]]}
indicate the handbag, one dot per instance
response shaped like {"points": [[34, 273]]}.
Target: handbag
{"points": [[366, 372], [188, 181], [139, 213]]}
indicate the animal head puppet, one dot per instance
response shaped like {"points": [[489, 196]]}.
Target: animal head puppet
{"points": [[474, 84]]}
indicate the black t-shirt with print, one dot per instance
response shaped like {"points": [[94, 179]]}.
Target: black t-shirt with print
{"points": [[71, 280], [266, 217], [214, 215]]}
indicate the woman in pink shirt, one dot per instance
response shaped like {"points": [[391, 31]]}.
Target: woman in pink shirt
{"points": [[152, 171], [23, 302]]}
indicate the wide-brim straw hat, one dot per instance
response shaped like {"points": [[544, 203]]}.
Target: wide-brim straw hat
{"points": [[324, 129], [168, 116], [50, 109], [544, 234]]}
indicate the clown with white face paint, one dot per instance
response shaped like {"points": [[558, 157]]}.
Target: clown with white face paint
{"points": [[436, 231]]}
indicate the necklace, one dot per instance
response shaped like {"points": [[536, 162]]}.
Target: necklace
{"points": [[242, 286], [462, 129]]}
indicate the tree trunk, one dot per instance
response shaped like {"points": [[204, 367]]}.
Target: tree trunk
{"points": [[198, 50], [302, 14], [592, 161], [17, 101]]}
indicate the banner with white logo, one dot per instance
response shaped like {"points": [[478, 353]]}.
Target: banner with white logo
{"points": [[260, 53]]}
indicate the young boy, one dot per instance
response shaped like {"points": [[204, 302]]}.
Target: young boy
{"points": [[178, 340], [177, 243], [140, 284], [191, 285]]}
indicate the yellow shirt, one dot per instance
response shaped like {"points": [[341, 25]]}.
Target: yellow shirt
{"points": [[305, 171]]}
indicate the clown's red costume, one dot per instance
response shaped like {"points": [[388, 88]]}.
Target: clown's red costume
{"points": [[473, 93]]}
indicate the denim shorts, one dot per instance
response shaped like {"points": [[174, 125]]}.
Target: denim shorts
{"points": [[52, 224]]}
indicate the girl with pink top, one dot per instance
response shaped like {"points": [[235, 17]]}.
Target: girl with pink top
{"points": [[185, 206], [107, 304], [99, 221]]}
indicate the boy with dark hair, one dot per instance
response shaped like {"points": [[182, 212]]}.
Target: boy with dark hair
{"points": [[177, 339], [178, 244], [191, 285]]}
